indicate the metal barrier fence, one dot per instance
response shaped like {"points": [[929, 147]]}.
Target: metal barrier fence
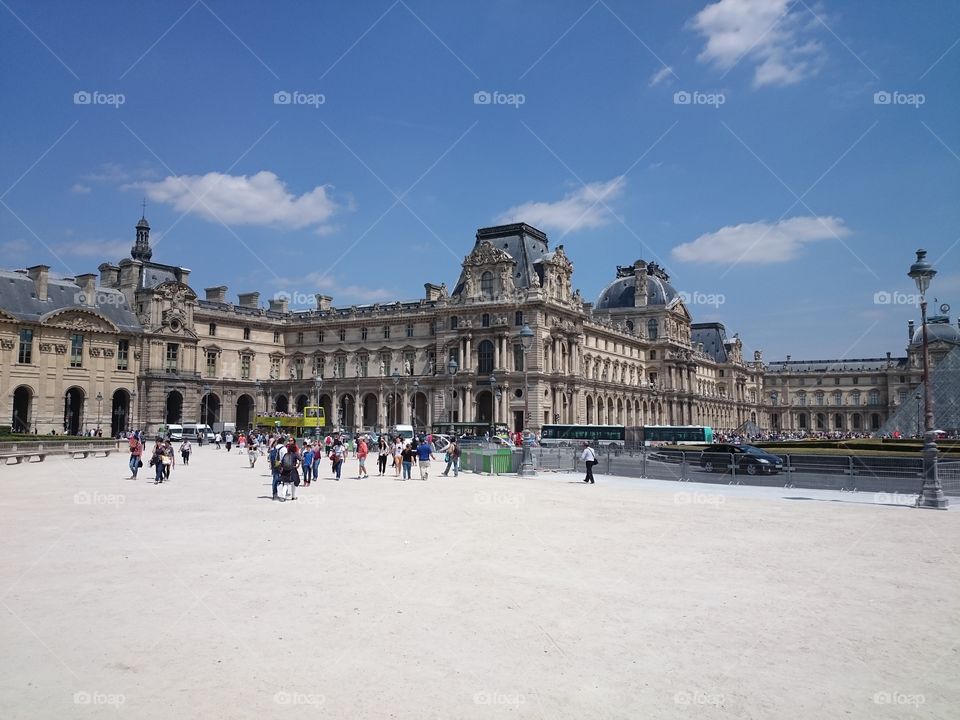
{"points": [[853, 473]]}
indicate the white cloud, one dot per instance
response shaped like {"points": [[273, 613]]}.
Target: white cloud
{"points": [[115, 174], [760, 243], [582, 208], [104, 250], [300, 291], [16, 247], [660, 75], [770, 33], [80, 188], [261, 199]]}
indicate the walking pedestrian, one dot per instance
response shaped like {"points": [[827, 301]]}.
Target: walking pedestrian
{"points": [[362, 458], [397, 455], [383, 452], [453, 458], [289, 473], [307, 463], [136, 456], [424, 456], [275, 457], [185, 450], [168, 459], [338, 451], [228, 440], [407, 455], [156, 462], [217, 439], [589, 458], [252, 451]]}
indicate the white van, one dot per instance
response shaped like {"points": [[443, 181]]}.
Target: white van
{"points": [[404, 431], [175, 432], [194, 431]]}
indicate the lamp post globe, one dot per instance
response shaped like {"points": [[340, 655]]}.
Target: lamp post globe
{"points": [[931, 494]]}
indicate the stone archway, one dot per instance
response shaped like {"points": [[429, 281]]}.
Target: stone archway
{"points": [[73, 411], [120, 404], [370, 418], [210, 409], [22, 400], [347, 406], [302, 402], [589, 410], [174, 412], [281, 403], [245, 412], [485, 407]]}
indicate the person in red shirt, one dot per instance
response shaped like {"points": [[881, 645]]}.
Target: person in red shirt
{"points": [[362, 457]]}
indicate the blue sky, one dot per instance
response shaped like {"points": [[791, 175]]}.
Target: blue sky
{"points": [[742, 144]]}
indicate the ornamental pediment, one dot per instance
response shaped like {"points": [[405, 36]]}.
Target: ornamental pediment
{"points": [[486, 254], [78, 319]]}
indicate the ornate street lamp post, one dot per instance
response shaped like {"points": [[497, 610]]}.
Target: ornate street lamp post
{"points": [[526, 460], [396, 384], [931, 495], [99, 402], [413, 406], [917, 397], [452, 368]]}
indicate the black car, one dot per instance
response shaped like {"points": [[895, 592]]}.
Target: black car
{"points": [[747, 458]]}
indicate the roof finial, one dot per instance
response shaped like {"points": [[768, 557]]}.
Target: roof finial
{"points": [[143, 205]]}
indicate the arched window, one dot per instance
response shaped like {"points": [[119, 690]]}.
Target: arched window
{"points": [[874, 397], [485, 320], [630, 325], [838, 398], [246, 333], [653, 329], [855, 397], [485, 357], [486, 285]]}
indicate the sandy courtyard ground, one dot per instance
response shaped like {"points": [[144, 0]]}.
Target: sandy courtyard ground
{"points": [[475, 597]]}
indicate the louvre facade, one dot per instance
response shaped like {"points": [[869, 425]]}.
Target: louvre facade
{"points": [[142, 348]]}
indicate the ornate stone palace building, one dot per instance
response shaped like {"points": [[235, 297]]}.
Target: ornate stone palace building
{"points": [[141, 349]]}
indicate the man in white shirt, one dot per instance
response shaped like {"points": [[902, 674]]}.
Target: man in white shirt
{"points": [[589, 458]]}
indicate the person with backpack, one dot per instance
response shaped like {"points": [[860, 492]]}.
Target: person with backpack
{"points": [[453, 458], [289, 472], [136, 456], [156, 462], [275, 457]]}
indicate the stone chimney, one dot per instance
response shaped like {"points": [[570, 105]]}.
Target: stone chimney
{"points": [[249, 300], [432, 291], [909, 332], [40, 274], [88, 289], [216, 294], [109, 275], [324, 302], [183, 275], [279, 304], [640, 285]]}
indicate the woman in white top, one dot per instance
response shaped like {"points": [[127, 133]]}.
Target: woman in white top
{"points": [[397, 455]]}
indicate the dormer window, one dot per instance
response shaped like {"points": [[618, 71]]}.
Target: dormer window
{"points": [[486, 285]]}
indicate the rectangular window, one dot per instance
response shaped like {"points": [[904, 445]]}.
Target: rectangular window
{"points": [[319, 364], [454, 322], [276, 336], [123, 354], [856, 381], [298, 368], [518, 318], [212, 329], [386, 332], [300, 338], [903, 378], [433, 327], [409, 361], [211, 363], [409, 329], [173, 353], [836, 381], [76, 351], [343, 335], [25, 356], [518, 357], [431, 362], [275, 368], [363, 333], [244, 367], [341, 363], [319, 336], [364, 365]]}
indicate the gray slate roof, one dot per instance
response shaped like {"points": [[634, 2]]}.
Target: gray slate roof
{"points": [[524, 243], [19, 298], [849, 365], [714, 339]]}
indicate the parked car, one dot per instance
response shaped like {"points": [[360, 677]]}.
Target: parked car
{"points": [[746, 458]]}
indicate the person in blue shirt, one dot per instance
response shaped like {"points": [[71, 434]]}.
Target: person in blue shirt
{"points": [[308, 465], [424, 456]]}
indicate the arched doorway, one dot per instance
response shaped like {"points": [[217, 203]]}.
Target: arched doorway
{"points": [[369, 419], [302, 401], [485, 407], [174, 407], [327, 406], [589, 410], [395, 409], [619, 412], [21, 409], [118, 412], [347, 404], [73, 411], [244, 412], [281, 404], [210, 409], [420, 410]]}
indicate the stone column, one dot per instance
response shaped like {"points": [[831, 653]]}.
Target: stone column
{"points": [[496, 353]]}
